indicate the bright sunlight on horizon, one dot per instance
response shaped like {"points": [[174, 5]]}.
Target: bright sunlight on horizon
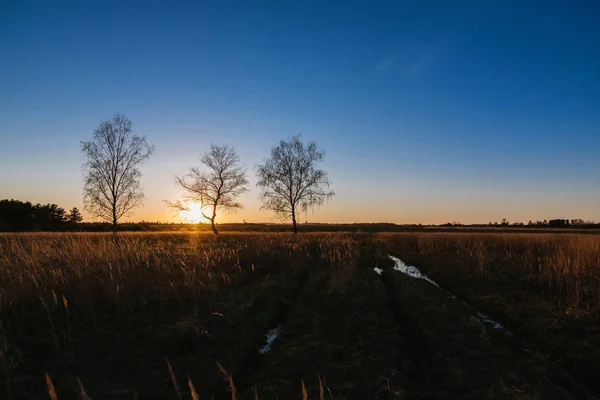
{"points": [[193, 213]]}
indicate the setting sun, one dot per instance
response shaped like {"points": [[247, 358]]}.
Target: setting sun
{"points": [[193, 214]]}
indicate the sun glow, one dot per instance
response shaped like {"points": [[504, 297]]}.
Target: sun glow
{"points": [[193, 214]]}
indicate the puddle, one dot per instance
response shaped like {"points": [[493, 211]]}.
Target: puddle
{"points": [[411, 271], [271, 336], [415, 273], [495, 324], [486, 319]]}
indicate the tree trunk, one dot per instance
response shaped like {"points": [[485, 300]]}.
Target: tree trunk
{"points": [[294, 221], [114, 221], [212, 221]]}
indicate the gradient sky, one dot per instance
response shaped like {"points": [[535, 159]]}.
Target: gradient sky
{"points": [[430, 111]]}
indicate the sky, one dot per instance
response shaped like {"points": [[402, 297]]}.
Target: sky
{"points": [[429, 111]]}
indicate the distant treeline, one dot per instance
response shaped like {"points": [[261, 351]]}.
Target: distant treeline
{"points": [[17, 216], [553, 223]]}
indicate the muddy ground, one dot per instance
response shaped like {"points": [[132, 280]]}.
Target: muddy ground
{"points": [[379, 335], [568, 343]]}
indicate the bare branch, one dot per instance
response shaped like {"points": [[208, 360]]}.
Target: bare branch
{"points": [[289, 180], [111, 174], [217, 184]]}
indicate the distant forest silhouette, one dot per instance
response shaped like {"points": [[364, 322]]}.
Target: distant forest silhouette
{"points": [[23, 216], [17, 215]]}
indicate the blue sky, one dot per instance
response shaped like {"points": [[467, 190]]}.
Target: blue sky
{"points": [[429, 111]]}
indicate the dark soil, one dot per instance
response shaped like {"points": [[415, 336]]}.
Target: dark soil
{"points": [[569, 344]]}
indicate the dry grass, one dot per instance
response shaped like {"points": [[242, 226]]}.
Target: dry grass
{"points": [[62, 286], [54, 270], [66, 282], [564, 268], [342, 254], [51, 391]]}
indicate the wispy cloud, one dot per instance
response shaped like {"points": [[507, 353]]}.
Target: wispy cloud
{"points": [[409, 64], [385, 64], [415, 59], [420, 62]]}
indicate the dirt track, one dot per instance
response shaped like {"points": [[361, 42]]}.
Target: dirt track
{"points": [[390, 337], [394, 336], [477, 357], [398, 337]]}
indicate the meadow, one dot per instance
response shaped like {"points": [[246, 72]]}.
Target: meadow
{"points": [[187, 315]]}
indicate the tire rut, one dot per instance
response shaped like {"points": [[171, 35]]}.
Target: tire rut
{"points": [[472, 363], [252, 356], [503, 338]]}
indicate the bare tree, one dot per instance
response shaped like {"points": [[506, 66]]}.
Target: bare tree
{"points": [[111, 174], [216, 185], [289, 180]]}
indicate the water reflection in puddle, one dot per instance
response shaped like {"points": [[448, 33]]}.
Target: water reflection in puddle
{"points": [[271, 336], [411, 271], [415, 273], [495, 324]]}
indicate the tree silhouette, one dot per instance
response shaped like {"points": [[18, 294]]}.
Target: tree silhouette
{"points": [[74, 216], [49, 216], [216, 184], [17, 215], [112, 176], [290, 181]]}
